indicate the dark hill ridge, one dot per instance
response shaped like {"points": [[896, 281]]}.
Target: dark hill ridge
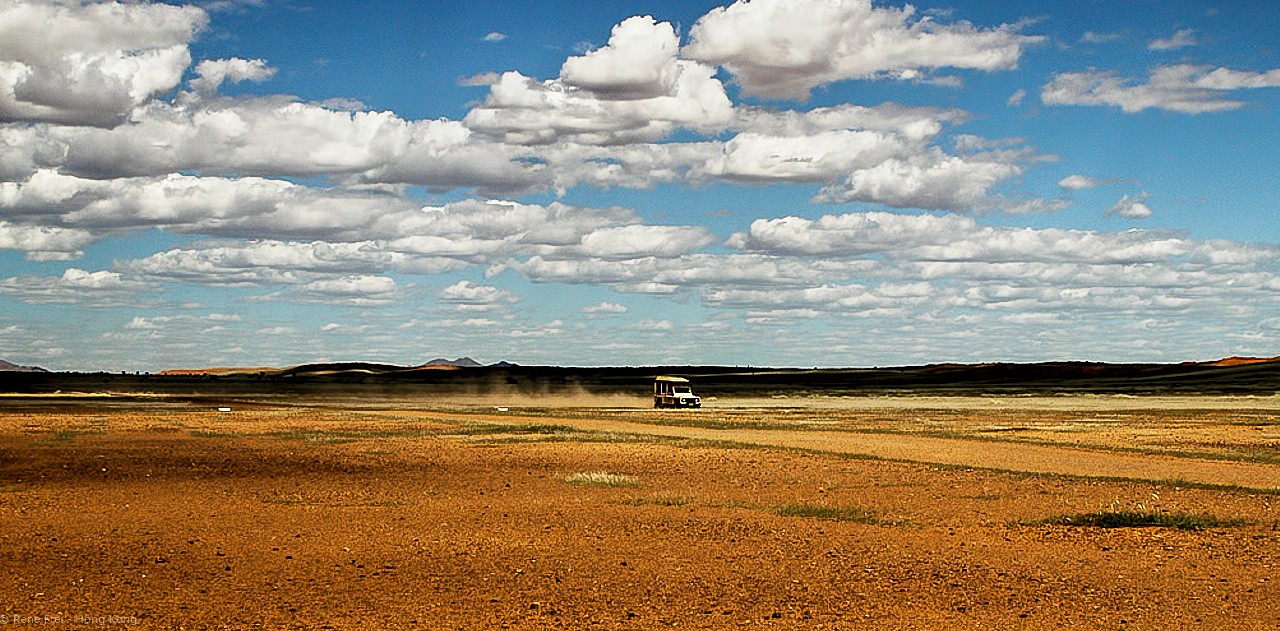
{"points": [[1250, 376], [327, 368], [12, 367]]}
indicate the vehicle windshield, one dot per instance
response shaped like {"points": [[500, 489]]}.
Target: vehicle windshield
{"points": [[682, 390]]}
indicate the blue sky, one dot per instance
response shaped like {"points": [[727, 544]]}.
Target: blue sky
{"points": [[774, 182]]}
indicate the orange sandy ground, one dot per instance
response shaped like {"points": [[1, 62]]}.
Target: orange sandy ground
{"points": [[167, 528]]}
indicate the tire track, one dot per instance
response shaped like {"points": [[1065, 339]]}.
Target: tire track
{"points": [[956, 452]]}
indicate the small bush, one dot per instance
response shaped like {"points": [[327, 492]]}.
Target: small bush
{"points": [[602, 478]]}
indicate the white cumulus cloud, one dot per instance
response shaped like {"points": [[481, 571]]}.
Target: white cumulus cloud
{"points": [[1181, 39], [639, 62], [263, 136], [90, 63], [246, 207], [262, 263], [44, 243], [816, 158], [211, 74], [932, 238], [1080, 182], [605, 308], [783, 49], [1183, 88], [639, 241], [96, 289], [930, 181], [1132, 207], [523, 111], [469, 294], [350, 289]]}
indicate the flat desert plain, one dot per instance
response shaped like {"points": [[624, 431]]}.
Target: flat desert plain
{"points": [[581, 513]]}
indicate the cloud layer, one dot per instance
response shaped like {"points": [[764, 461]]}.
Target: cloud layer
{"points": [[110, 130]]}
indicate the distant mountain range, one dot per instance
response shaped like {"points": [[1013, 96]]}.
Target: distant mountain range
{"points": [[988, 370], [12, 367], [334, 367], [1231, 375]]}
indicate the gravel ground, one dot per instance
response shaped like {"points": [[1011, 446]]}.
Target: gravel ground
{"points": [[327, 518]]}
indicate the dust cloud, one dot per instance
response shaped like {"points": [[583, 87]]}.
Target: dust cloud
{"points": [[511, 396]]}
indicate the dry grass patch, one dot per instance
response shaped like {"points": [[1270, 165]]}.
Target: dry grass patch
{"points": [[602, 479]]}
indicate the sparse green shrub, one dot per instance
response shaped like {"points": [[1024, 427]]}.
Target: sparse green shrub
{"points": [[65, 435], [661, 499], [523, 428], [672, 499], [202, 433], [830, 513], [1141, 519], [317, 438]]}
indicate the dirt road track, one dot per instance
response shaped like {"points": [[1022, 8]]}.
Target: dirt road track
{"points": [[1008, 456]]}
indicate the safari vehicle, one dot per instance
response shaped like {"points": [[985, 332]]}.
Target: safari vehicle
{"points": [[674, 392]]}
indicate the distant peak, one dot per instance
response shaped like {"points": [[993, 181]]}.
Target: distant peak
{"points": [[6, 366], [461, 362]]}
